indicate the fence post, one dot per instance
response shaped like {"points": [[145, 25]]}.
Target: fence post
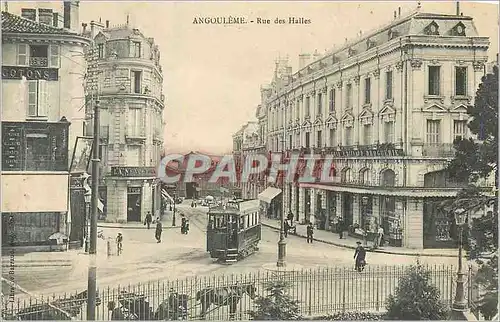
{"points": [[343, 290], [377, 274], [310, 291], [108, 247]]}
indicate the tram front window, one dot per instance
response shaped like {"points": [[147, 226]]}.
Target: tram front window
{"points": [[218, 221]]}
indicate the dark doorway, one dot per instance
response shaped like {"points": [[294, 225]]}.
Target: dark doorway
{"points": [[307, 204], [347, 208], [134, 204], [190, 190]]}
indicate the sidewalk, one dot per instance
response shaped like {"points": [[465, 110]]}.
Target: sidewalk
{"points": [[350, 242], [165, 220]]}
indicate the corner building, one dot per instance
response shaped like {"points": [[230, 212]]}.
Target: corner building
{"points": [[129, 88], [388, 107]]}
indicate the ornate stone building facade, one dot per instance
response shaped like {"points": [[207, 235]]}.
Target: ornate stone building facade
{"points": [[42, 115], [388, 107], [130, 91]]}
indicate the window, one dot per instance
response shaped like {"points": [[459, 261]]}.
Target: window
{"points": [[39, 56], [297, 140], [433, 131], [389, 132], [135, 122], [318, 139], [460, 81], [348, 102], [348, 136], [388, 85], [136, 49], [308, 105], [459, 129], [136, 82], [308, 139], [332, 100], [22, 54], [368, 87], [332, 137], [103, 153], [290, 141], [367, 134], [37, 98], [37, 152], [434, 80], [297, 109], [320, 103], [100, 50]]}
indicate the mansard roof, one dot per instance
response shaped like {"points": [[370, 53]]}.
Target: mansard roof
{"points": [[12, 23]]}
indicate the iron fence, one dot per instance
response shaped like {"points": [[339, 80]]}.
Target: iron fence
{"points": [[319, 292]]}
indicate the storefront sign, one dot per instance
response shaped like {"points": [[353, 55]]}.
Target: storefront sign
{"points": [[134, 190], [367, 153], [31, 73], [133, 171]]}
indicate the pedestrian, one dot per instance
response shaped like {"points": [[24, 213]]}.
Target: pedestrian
{"points": [[186, 229], [312, 219], [119, 243], [359, 257], [149, 219], [158, 231], [380, 239], [192, 204], [340, 228], [290, 216], [310, 231], [286, 228], [183, 224]]}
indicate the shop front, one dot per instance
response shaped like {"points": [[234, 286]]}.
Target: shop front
{"points": [[132, 192]]}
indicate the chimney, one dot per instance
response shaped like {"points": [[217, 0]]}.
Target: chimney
{"points": [[458, 8], [28, 13], [55, 19], [399, 11], [107, 24], [95, 28], [84, 26], [71, 15], [304, 60], [45, 16]]}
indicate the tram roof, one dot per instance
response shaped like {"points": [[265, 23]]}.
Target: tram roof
{"points": [[240, 208]]}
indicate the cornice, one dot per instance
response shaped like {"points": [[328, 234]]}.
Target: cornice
{"points": [[50, 38], [131, 62]]}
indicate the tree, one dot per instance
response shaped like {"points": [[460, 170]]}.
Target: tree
{"points": [[416, 298], [477, 161], [277, 305]]}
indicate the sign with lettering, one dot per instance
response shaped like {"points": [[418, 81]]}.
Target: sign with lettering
{"points": [[133, 172], [11, 147], [134, 190], [367, 153], [31, 73]]}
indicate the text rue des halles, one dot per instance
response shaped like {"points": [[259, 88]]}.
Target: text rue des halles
{"points": [[283, 21]]}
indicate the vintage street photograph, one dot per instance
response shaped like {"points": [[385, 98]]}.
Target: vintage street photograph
{"points": [[249, 160]]}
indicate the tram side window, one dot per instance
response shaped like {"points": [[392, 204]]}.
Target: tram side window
{"points": [[247, 220], [257, 219], [242, 223], [211, 222], [220, 222], [253, 219]]}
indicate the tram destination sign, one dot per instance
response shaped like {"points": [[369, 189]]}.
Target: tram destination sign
{"points": [[132, 172], [31, 73]]}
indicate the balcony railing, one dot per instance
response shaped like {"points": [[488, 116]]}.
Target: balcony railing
{"points": [[39, 61], [438, 150]]}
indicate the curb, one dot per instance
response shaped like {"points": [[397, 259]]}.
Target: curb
{"points": [[382, 251], [135, 227]]}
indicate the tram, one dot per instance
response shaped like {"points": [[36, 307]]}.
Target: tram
{"points": [[233, 230]]}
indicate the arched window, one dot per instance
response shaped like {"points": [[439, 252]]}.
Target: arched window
{"points": [[365, 176], [345, 175], [387, 178]]}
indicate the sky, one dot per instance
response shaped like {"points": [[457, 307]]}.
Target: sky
{"points": [[213, 73]]}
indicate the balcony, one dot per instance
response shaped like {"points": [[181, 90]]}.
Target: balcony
{"points": [[39, 62], [135, 136], [444, 150]]}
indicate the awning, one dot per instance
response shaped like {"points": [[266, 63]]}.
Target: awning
{"points": [[167, 197], [269, 194]]}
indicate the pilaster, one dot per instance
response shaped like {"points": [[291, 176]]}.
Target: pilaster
{"points": [[301, 202], [116, 201], [356, 216], [376, 209], [338, 208], [312, 205], [413, 224]]}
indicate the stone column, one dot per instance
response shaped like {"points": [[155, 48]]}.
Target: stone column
{"points": [[338, 208], [285, 199], [117, 201], [312, 205], [413, 233], [293, 199], [301, 202], [376, 209], [145, 200], [355, 209]]}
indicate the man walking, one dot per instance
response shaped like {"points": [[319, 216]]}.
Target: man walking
{"points": [[183, 224], [158, 231], [340, 228], [359, 256], [149, 219], [380, 237], [310, 231]]}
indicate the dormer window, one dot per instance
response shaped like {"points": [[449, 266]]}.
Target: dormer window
{"points": [[370, 44], [432, 29], [392, 34], [458, 30], [351, 52]]}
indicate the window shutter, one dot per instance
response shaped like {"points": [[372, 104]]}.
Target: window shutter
{"points": [[43, 98], [32, 98], [54, 56], [22, 54]]}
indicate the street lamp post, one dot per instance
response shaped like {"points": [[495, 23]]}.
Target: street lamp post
{"points": [[282, 242], [459, 303], [173, 215]]}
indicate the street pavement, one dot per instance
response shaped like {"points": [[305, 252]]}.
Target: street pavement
{"points": [[178, 256]]}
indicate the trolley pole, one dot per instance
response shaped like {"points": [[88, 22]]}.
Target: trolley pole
{"points": [[282, 242], [92, 273]]}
